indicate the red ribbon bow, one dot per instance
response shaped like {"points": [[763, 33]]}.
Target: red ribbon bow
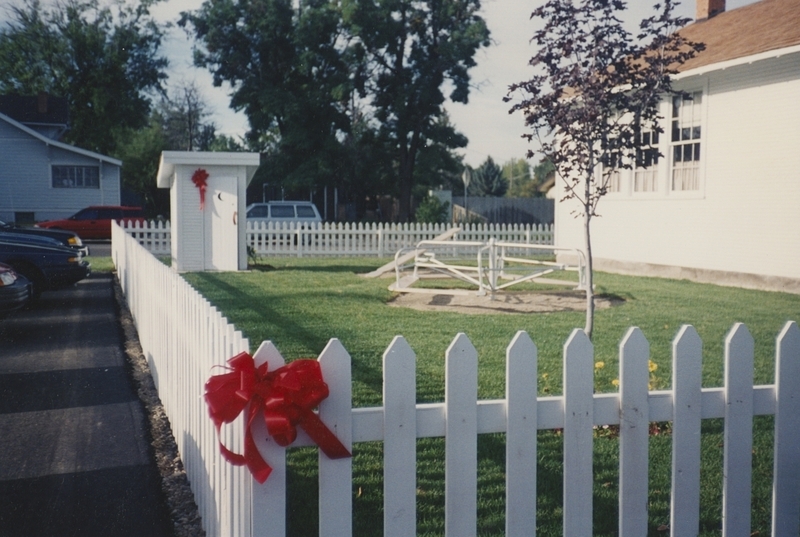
{"points": [[199, 179], [287, 396]]}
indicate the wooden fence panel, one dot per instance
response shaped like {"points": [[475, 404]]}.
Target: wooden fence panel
{"points": [[521, 427], [183, 338], [633, 434], [578, 434], [687, 369], [461, 438], [400, 440], [738, 435]]}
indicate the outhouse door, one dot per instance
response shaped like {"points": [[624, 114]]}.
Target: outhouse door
{"points": [[220, 225]]}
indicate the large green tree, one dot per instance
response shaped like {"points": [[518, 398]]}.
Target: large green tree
{"points": [[105, 63], [290, 73], [488, 180], [413, 50]]}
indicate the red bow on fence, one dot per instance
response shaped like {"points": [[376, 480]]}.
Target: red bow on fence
{"points": [[199, 179], [287, 396]]}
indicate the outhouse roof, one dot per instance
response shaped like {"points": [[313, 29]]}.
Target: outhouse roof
{"points": [[170, 159]]}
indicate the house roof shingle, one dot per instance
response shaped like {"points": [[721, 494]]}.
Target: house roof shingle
{"points": [[753, 29]]}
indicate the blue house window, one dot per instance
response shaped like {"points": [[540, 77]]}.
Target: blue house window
{"points": [[76, 177]]}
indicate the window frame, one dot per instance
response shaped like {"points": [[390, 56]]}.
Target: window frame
{"points": [[63, 180], [698, 143]]}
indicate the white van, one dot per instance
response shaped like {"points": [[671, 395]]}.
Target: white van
{"points": [[283, 211]]}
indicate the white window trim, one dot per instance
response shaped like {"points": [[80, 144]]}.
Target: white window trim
{"points": [[700, 192]]}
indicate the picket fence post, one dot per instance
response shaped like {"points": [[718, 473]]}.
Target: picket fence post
{"points": [[461, 438], [634, 417], [786, 488], [399, 440], [578, 434], [336, 476], [687, 369], [269, 499], [521, 426], [738, 434]]}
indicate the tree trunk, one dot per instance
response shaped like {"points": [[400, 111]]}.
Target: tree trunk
{"points": [[587, 218], [408, 155]]}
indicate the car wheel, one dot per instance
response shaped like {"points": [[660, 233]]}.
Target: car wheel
{"points": [[34, 275]]}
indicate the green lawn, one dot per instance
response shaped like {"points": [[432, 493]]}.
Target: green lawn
{"points": [[300, 303]]}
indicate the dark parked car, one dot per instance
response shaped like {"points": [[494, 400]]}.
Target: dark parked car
{"points": [[15, 290], [67, 238], [44, 261], [95, 222]]}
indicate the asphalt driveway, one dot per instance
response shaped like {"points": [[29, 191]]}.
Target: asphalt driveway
{"points": [[75, 458]]}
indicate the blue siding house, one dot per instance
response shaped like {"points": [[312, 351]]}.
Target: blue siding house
{"points": [[42, 178]]}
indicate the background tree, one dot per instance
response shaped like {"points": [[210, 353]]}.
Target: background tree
{"points": [[290, 73], [517, 172], [106, 64], [596, 89], [411, 51], [488, 181], [184, 115]]}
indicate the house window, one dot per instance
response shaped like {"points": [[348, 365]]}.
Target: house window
{"points": [[645, 174], [76, 177], [613, 178], [685, 142]]}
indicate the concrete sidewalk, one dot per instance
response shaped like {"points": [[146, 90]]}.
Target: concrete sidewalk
{"points": [[75, 457]]}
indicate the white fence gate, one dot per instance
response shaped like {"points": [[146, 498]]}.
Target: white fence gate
{"points": [[183, 337]]}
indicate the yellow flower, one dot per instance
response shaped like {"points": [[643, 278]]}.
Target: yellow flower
{"points": [[615, 382], [599, 365], [544, 376], [651, 365]]}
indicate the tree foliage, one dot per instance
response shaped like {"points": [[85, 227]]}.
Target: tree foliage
{"points": [[106, 63], [488, 180], [596, 89], [412, 50], [289, 73]]}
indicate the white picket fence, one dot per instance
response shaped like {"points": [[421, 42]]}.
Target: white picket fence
{"points": [[183, 337], [345, 239]]}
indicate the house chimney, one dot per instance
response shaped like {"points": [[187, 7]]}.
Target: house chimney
{"points": [[42, 102], [708, 8]]}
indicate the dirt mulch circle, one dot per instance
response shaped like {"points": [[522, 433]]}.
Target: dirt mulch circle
{"points": [[502, 302]]}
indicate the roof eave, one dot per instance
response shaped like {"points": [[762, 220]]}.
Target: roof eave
{"points": [[744, 60]]}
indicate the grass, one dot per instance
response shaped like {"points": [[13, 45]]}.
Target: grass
{"points": [[300, 303]]}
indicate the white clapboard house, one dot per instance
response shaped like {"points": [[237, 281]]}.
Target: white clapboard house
{"points": [[42, 178], [722, 204]]}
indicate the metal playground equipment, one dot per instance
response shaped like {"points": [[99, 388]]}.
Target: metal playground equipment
{"points": [[498, 266]]}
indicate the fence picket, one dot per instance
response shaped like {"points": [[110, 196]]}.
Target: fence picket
{"points": [[633, 434], [400, 440], [461, 438], [578, 438], [786, 490], [738, 435], [687, 368], [521, 429], [336, 476], [269, 499]]}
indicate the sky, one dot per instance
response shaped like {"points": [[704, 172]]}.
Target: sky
{"points": [[484, 120]]}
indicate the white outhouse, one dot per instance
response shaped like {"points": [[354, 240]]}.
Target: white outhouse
{"points": [[207, 205]]}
